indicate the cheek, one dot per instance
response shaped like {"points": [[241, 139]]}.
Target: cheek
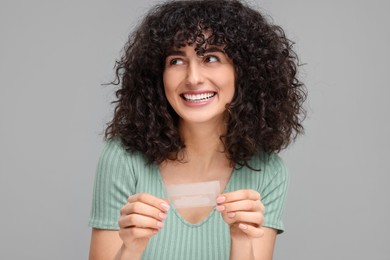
{"points": [[170, 81], [165, 80], [230, 83], [169, 89], [167, 84]]}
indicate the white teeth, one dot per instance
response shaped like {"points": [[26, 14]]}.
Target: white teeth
{"points": [[198, 97]]}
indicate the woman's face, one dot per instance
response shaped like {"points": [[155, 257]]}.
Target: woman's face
{"points": [[199, 87]]}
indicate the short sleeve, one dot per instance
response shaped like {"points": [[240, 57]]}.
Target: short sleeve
{"points": [[114, 183], [274, 193]]}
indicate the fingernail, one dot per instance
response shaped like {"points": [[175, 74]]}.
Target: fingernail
{"points": [[162, 215], [242, 226], [160, 224], [221, 199], [165, 206], [220, 208], [231, 214]]}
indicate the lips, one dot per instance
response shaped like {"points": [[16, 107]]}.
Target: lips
{"points": [[197, 97]]}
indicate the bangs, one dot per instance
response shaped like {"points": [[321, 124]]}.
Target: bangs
{"points": [[193, 23], [201, 39]]}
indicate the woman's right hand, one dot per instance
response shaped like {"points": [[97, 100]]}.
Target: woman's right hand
{"points": [[140, 219]]}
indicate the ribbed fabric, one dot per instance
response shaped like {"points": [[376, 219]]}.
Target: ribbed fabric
{"points": [[121, 174]]}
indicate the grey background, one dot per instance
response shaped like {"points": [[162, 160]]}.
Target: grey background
{"points": [[55, 54]]}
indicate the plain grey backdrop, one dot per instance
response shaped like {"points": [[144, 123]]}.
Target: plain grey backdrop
{"points": [[54, 56]]}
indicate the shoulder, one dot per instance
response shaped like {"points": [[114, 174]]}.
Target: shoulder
{"points": [[268, 163], [264, 172], [115, 152], [115, 180], [269, 171], [116, 161]]}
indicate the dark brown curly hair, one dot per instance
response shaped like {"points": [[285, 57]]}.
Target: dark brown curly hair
{"points": [[266, 112]]}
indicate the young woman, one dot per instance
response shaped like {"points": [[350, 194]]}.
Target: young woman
{"points": [[208, 92]]}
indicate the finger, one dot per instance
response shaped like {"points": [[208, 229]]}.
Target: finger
{"points": [[238, 195], [254, 218], [136, 232], [242, 205], [143, 209], [150, 200], [140, 221], [251, 230]]}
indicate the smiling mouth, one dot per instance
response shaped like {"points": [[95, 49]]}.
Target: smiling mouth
{"points": [[198, 97]]}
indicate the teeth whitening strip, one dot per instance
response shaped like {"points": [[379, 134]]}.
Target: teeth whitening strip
{"points": [[190, 195]]}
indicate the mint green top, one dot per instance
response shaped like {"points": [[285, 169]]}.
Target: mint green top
{"points": [[121, 174]]}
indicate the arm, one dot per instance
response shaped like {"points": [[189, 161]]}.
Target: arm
{"points": [[255, 248], [112, 216], [140, 219], [104, 244], [273, 194], [243, 211]]}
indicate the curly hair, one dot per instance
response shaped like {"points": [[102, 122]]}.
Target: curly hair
{"points": [[266, 112]]}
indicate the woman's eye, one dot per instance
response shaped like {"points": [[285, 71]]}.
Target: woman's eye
{"points": [[175, 62], [211, 58]]}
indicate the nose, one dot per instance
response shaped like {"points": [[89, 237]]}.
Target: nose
{"points": [[195, 75]]}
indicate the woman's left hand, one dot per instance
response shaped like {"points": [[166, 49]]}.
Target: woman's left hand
{"points": [[244, 212]]}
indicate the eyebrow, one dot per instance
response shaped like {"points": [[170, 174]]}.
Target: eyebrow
{"points": [[173, 52], [214, 49]]}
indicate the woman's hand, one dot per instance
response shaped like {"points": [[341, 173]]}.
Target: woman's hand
{"points": [[140, 219], [243, 211]]}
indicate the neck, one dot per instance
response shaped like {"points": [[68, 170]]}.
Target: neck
{"points": [[204, 148], [204, 157]]}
